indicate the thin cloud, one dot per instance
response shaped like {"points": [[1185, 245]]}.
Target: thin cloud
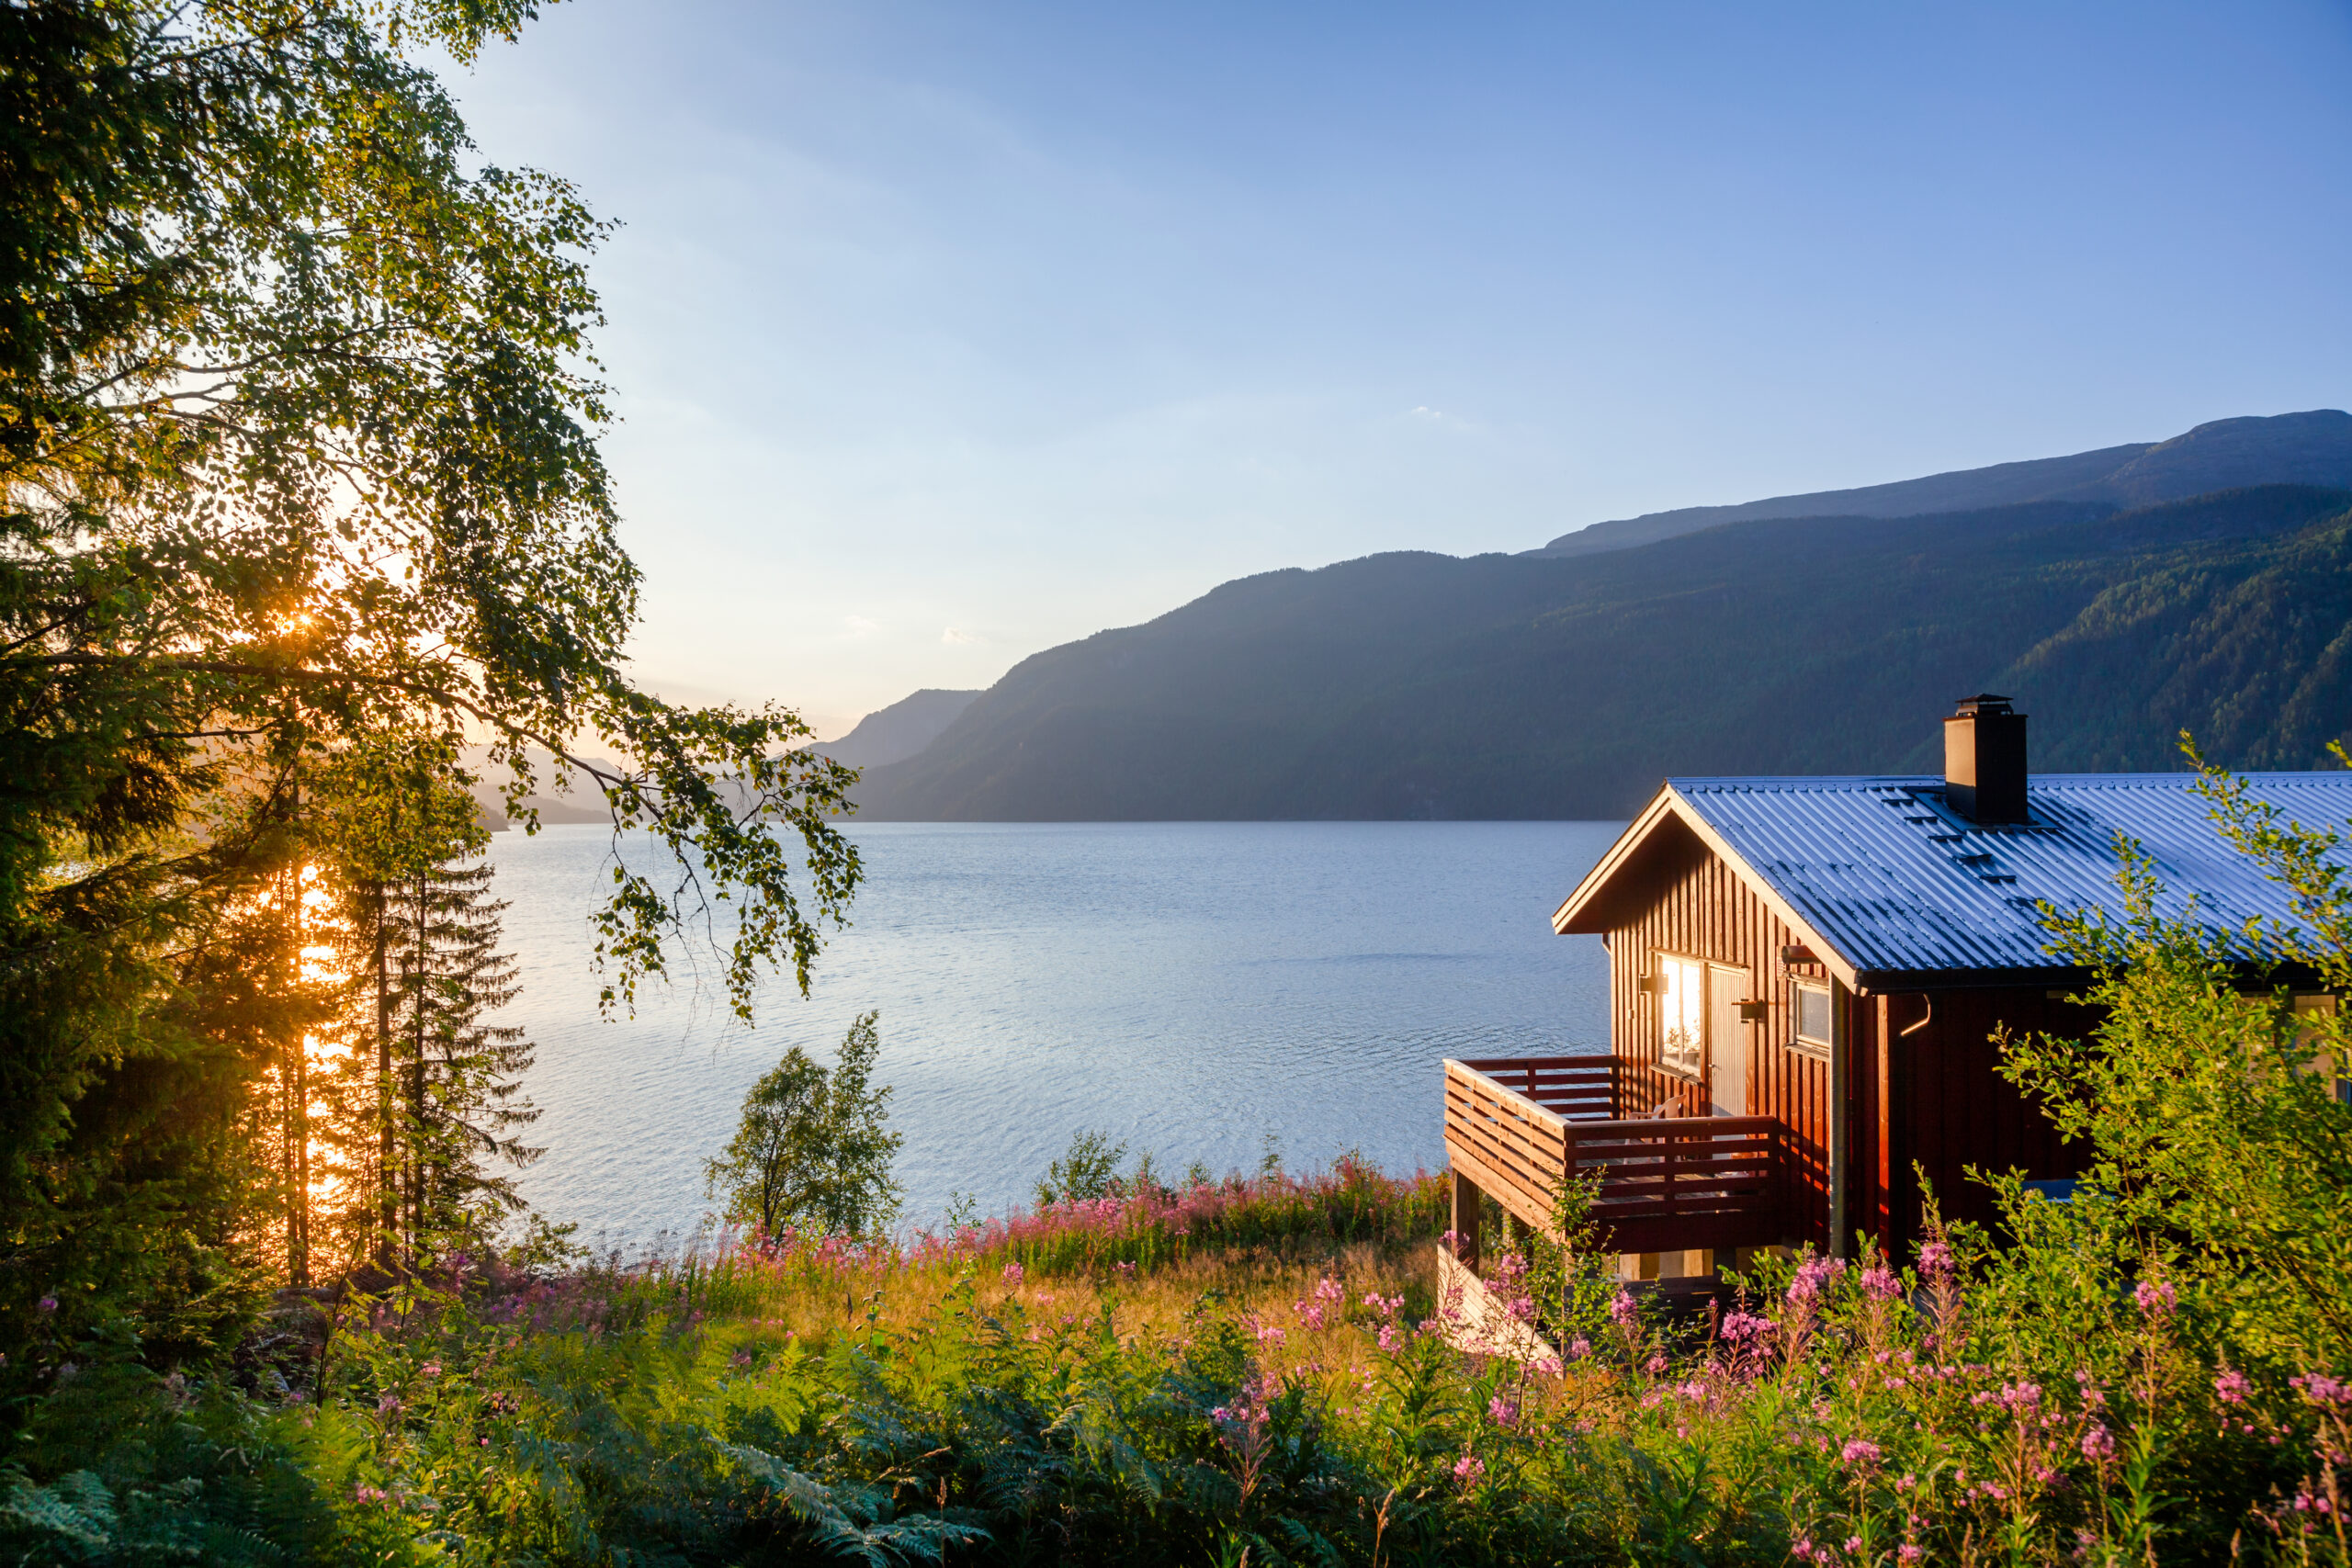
{"points": [[953, 636], [858, 626]]}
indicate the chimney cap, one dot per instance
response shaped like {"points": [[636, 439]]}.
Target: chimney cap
{"points": [[1983, 702]]}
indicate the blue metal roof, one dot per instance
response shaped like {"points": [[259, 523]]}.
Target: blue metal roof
{"points": [[1885, 873]]}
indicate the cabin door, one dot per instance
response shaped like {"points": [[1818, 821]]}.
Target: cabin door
{"points": [[1727, 1050]]}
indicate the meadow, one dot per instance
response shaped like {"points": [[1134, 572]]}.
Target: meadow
{"points": [[1256, 1371]]}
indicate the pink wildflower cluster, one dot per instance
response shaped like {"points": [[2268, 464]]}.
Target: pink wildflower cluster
{"points": [[2327, 1393], [1749, 1338], [1153, 1223], [1314, 1312]]}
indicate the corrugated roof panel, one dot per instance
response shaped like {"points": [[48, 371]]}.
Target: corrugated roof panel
{"points": [[1895, 882]]}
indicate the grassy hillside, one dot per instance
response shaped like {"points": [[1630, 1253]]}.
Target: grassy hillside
{"points": [[1423, 685], [1261, 1373]]}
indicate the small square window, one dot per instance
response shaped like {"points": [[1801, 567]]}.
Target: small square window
{"points": [[1811, 1012]]}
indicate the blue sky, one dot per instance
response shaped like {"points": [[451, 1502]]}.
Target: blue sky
{"points": [[944, 334]]}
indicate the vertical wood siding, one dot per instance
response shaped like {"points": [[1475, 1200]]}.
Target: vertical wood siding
{"points": [[1934, 1096], [1702, 910], [1956, 1110]]}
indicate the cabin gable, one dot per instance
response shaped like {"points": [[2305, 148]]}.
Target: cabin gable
{"points": [[1907, 1084], [1679, 898]]}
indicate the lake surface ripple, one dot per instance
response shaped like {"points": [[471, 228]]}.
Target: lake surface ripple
{"points": [[1187, 988]]}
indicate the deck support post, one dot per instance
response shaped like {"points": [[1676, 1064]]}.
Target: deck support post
{"points": [[1465, 1222]]}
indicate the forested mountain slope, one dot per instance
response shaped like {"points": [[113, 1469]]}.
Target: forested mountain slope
{"points": [[2313, 449], [1424, 685]]}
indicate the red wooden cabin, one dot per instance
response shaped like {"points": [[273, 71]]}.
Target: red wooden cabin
{"points": [[1805, 978]]}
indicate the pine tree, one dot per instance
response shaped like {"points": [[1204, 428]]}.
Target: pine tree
{"points": [[459, 1115], [430, 1107]]}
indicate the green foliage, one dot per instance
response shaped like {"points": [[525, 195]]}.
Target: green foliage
{"points": [[2213, 1106], [298, 485], [814, 1150], [812, 1400], [1088, 1171]]}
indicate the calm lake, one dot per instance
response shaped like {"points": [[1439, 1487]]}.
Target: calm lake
{"points": [[1188, 987]]}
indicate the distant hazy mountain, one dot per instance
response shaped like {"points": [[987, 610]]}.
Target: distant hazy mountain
{"points": [[582, 803], [2291, 448], [1540, 685], [898, 731]]}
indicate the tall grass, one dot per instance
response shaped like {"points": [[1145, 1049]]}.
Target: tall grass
{"points": [[1258, 1372]]}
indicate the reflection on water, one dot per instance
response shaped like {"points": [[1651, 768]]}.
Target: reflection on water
{"points": [[1187, 986]]}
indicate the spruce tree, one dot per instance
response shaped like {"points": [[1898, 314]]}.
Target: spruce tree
{"points": [[459, 1117]]}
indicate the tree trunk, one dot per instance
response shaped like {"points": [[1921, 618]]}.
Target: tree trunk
{"points": [[298, 1094], [421, 978], [386, 1147]]}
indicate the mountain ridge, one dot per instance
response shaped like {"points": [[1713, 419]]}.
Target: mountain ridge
{"points": [[1411, 683], [2310, 448], [894, 733]]}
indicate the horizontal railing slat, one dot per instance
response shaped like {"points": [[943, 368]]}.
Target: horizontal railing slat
{"points": [[1516, 1126]]}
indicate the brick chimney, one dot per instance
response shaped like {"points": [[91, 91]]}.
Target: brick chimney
{"points": [[1984, 760]]}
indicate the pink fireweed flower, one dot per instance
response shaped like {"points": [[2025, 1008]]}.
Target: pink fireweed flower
{"points": [[1469, 1470], [1310, 1313], [1579, 1348], [1269, 1334], [389, 1405], [430, 1370], [47, 1303], [1813, 1277], [1908, 1552], [2232, 1387], [1328, 1290], [1860, 1452], [2098, 1443], [2322, 1390], [1012, 1273], [1390, 1340], [1623, 1310], [1550, 1367], [1502, 1412], [1881, 1283], [2153, 1297]]}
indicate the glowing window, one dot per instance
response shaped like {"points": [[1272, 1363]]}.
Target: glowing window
{"points": [[1683, 1016]]}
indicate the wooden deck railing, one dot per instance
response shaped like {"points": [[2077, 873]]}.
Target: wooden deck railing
{"points": [[1665, 1183]]}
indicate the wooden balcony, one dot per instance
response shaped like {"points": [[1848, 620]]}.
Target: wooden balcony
{"points": [[1669, 1181]]}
